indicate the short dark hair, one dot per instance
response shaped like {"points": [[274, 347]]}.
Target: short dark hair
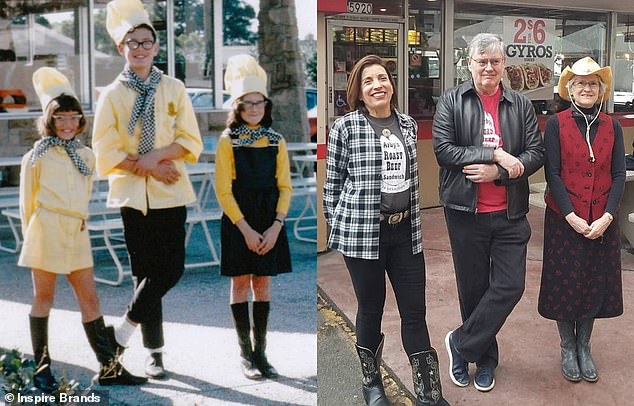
{"points": [[61, 104], [235, 120], [354, 83], [149, 27]]}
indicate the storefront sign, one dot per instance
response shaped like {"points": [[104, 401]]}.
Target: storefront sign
{"points": [[529, 55], [355, 7]]}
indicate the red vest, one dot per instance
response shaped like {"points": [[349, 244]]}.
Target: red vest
{"points": [[588, 184]]}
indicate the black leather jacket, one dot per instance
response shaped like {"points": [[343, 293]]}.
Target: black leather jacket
{"points": [[457, 140]]}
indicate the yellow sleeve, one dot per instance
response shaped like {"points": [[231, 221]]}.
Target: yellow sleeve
{"points": [[29, 186], [225, 173], [187, 133], [283, 175], [107, 143]]}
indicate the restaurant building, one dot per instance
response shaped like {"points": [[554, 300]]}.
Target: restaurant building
{"points": [[70, 35], [425, 45]]}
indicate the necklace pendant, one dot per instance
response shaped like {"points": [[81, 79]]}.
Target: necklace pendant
{"points": [[386, 132]]}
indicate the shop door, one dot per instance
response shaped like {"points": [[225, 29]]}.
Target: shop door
{"points": [[349, 41]]}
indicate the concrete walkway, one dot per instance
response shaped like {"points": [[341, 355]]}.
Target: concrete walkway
{"points": [[201, 351], [529, 373]]}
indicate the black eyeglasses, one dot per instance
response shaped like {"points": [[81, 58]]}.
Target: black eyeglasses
{"points": [[247, 105], [132, 44]]}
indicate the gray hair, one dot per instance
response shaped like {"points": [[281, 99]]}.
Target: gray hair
{"points": [[485, 41], [573, 80]]}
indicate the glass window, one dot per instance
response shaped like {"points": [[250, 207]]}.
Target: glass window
{"points": [[108, 62], [575, 34], [37, 34], [193, 31], [193, 46], [623, 65], [423, 45]]}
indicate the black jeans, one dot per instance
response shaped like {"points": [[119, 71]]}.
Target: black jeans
{"points": [[156, 244], [489, 256], [406, 272]]}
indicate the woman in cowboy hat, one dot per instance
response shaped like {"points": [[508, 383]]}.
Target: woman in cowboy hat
{"points": [[585, 172]]}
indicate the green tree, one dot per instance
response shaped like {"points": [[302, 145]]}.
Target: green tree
{"points": [[311, 69], [236, 21]]}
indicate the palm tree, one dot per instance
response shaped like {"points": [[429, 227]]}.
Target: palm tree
{"points": [[281, 59]]}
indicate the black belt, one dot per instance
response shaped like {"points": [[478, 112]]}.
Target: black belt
{"points": [[394, 218]]}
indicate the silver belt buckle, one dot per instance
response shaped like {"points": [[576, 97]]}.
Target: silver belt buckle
{"points": [[395, 218]]}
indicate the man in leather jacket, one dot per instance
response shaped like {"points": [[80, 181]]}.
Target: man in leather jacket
{"points": [[487, 143]]}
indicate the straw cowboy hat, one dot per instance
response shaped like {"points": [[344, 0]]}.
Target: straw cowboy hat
{"points": [[50, 83], [584, 66], [244, 75]]}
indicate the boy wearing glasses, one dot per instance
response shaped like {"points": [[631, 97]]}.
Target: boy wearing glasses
{"points": [[144, 132], [487, 144]]}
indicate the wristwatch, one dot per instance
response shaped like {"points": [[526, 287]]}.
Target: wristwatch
{"points": [[281, 221]]}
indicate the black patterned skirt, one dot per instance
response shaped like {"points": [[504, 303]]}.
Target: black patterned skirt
{"points": [[581, 278]]}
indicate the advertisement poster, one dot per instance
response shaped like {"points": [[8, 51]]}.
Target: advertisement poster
{"points": [[529, 55]]}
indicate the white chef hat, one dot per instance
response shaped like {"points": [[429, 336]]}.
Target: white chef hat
{"points": [[244, 75], [122, 16], [50, 83]]}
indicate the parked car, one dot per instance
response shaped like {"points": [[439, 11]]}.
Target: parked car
{"points": [[203, 98], [623, 101]]}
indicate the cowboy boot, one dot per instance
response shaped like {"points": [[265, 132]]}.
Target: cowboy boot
{"points": [[569, 363], [103, 343], [243, 328], [426, 378], [586, 363], [43, 377], [373, 391], [260, 321]]}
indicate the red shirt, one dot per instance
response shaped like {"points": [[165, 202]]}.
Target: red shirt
{"points": [[490, 196]]}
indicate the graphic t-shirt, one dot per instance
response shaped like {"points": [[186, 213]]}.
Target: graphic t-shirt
{"points": [[395, 196], [490, 196]]}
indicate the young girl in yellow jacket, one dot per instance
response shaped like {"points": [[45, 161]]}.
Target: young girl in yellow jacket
{"points": [[55, 188], [254, 190]]}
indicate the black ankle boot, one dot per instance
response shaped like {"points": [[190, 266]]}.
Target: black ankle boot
{"points": [[586, 363], [426, 377], [43, 377], [111, 372], [242, 324], [373, 391], [260, 321], [569, 363]]}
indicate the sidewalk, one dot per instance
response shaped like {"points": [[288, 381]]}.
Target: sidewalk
{"points": [[201, 348], [529, 372]]}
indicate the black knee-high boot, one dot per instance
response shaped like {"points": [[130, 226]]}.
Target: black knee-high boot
{"points": [[260, 321], [43, 377], [586, 363], [372, 383], [103, 343], [426, 377], [241, 321]]}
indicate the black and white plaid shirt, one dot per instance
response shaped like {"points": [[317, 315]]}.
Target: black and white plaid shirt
{"points": [[352, 191]]}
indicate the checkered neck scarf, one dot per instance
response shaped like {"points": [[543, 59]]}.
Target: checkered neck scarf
{"points": [[42, 146], [253, 134], [143, 106]]}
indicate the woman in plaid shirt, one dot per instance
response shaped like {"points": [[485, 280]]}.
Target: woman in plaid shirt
{"points": [[371, 204]]}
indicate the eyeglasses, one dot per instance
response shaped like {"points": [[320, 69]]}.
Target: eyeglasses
{"points": [[75, 118], [132, 44], [247, 105], [484, 62], [582, 84]]}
